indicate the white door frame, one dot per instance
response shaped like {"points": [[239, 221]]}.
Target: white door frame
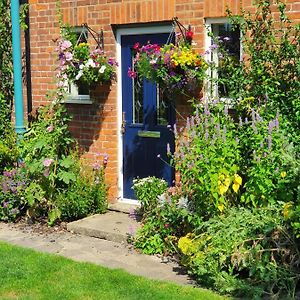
{"points": [[119, 33]]}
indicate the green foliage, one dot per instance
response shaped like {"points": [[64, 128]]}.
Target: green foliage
{"points": [[268, 78], [223, 163], [165, 220], [6, 81], [245, 252], [87, 195], [208, 158], [54, 185], [269, 163], [13, 185], [48, 150], [147, 190]]}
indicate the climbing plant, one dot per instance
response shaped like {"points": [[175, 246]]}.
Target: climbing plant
{"points": [[6, 83]]}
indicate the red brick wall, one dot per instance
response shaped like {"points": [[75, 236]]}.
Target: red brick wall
{"points": [[95, 125]]}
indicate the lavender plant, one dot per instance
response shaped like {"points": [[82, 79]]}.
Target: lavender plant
{"points": [[269, 163], [208, 158]]}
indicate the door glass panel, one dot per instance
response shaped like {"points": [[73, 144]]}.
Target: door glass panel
{"points": [[162, 107], [138, 100]]}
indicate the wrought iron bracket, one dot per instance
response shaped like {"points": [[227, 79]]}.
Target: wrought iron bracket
{"points": [[97, 36], [183, 30]]}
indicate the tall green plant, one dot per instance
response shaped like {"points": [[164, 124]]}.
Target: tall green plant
{"points": [[6, 85], [268, 77]]}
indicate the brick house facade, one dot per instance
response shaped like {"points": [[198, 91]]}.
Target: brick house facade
{"points": [[97, 125]]}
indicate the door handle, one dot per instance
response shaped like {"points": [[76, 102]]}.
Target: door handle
{"points": [[123, 126]]}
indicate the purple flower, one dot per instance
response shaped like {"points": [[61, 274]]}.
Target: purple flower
{"points": [[47, 162], [5, 204], [14, 211], [271, 126], [96, 166], [269, 141], [105, 159], [188, 125], [7, 174], [4, 187], [226, 39], [213, 47]]}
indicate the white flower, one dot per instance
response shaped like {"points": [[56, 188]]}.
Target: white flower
{"points": [[182, 202], [102, 69], [90, 63], [80, 73], [81, 67]]}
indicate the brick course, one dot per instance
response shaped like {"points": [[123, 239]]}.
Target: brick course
{"points": [[95, 125]]}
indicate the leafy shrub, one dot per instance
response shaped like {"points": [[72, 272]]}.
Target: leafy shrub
{"points": [[245, 252], [268, 77], [58, 189], [168, 218], [269, 162], [87, 195], [207, 158], [13, 184], [147, 190], [48, 150]]}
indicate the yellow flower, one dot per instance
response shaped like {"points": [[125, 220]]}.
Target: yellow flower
{"points": [[287, 209], [237, 182], [185, 243], [221, 207], [83, 45], [283, 174], [223, 183]]}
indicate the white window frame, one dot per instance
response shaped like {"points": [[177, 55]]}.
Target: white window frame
{"points": [[211, 92], [73, 95]]}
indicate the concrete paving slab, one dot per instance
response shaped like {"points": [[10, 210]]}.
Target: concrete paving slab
{"points": [[123, 207], [106, 253], [112, 226]]}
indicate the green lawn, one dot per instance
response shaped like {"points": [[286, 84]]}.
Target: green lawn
{"points": [[26, 274]]}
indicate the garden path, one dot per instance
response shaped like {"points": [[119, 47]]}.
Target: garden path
{"points": [[88, 249]]}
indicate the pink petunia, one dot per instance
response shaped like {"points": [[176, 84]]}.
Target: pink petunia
{"points": [[47, 162]]}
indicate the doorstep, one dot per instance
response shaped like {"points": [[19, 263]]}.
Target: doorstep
{"points": [[113, 226]]}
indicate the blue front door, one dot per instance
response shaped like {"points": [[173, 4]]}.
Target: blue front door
{"points": [[146, 116]]}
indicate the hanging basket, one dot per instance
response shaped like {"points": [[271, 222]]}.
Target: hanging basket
{"points": [[80, 64], [175, 67]]}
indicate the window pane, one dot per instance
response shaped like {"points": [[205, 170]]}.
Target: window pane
{"points": [[138, 101], [162, 107], [229, 37]]}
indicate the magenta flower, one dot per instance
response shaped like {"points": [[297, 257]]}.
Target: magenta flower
{"points": [[131, 73], [47, 162]]}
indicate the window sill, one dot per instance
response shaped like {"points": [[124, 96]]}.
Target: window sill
{"points": [[78, 100]]}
